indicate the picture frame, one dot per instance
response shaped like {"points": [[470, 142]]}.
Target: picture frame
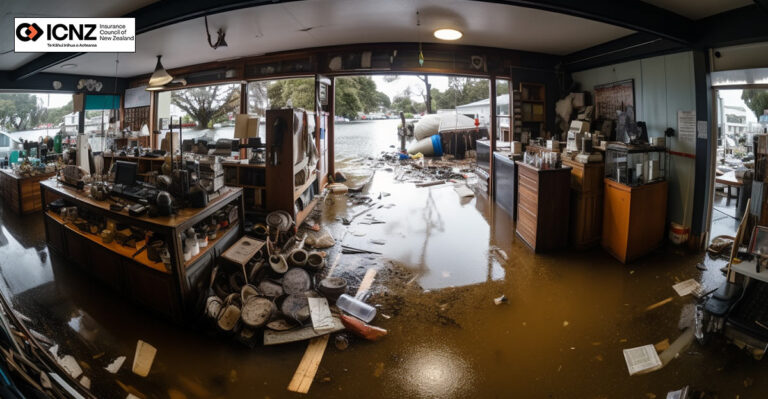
{"points": [[613, 97]]}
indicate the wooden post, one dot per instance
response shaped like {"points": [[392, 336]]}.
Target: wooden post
{"points": [[332, 128], [152, 123], [492, 133], [402, 138]]}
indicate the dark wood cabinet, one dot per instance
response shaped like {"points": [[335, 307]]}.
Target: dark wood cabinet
{"points": [[543, 206], [505, 183], [586, 203]]}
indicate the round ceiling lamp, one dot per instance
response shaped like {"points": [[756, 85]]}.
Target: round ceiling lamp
{"points": [[67, 66], [448, 34]]}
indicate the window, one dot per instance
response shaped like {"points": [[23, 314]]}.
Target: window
{"points": [[206, 112], [276, 94]]}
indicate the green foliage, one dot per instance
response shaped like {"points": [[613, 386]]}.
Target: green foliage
{"points": [[461, 91], [358, 94], [756, 100], [404, 104], [209, 104], [299, 93], [20, 111]]}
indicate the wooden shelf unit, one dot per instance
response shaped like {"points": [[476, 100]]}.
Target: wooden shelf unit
{"points": [[543, 206], [173, 292], [532, 106], [251, 178], [282, 193]]}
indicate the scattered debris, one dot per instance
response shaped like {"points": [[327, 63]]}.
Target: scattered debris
{"points": [[659, 304], [501, 300], [68, 362], [143, 359], [430, 183], [300, 334], [679, 394], [642, 359], [686, 287], [701, 266], [85, 382], [565, 323], [320, 313], [662, 346], [114, 367], [464, 191], [341, 341]]}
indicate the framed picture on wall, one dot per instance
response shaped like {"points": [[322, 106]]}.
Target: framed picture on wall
{"points": [[613, 97]]}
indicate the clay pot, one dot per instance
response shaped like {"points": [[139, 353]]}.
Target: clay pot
{"points": [[278, 264], [332, 287], [315, 261], [270, 289], [296, 307], [213, 306], [298, 258]]}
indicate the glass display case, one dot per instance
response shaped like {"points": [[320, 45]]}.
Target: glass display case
{"points": [[635, 165]]}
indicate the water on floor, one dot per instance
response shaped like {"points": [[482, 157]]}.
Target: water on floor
{"points": [[560, 335]]}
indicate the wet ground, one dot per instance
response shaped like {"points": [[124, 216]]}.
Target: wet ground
{"points": [[561, 334]]}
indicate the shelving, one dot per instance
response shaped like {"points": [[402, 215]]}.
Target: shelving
{"points": [[532, 108]]}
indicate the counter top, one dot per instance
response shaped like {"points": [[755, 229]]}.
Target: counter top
{"points": [[184, 215], [11, 173]]}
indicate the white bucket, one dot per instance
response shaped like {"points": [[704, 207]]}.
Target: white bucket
{"points": [[678, 233]]}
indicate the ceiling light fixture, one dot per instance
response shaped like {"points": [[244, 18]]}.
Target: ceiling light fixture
{"points": [[160, 77], [67, 66], [448, 34]]}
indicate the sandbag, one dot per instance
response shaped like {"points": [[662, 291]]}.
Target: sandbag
{"points": [[430, 146], [427, 126]]}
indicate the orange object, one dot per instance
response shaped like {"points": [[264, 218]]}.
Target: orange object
{"points": [[633, 218], [361, 329]]}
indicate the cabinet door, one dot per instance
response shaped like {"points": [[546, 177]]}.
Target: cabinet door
{"points": [[152, 288], [54, 234], [107, 266]]}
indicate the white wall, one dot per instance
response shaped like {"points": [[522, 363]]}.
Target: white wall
{"points": [[663, 86]]}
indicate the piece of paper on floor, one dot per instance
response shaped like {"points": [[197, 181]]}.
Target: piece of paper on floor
{"points": [[642, 359], [114, 367], [679, 394], [687, 287], [463, 191], [142, 360], [321, 314], [69, 363]]}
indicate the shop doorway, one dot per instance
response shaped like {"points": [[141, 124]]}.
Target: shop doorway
{"points": [[739, 115]]}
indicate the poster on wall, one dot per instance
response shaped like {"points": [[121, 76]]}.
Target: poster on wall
{"points": [[613, 97]]}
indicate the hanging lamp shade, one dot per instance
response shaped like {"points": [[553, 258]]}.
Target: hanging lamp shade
{"points": [[160, 76]]}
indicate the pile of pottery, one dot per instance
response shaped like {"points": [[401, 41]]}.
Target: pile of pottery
{"points": [[271, 291]]}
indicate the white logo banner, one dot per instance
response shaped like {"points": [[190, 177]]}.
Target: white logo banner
{"points": [[81, 35]]}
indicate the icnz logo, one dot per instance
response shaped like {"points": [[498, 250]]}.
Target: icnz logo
{"points": [[26, 32]]}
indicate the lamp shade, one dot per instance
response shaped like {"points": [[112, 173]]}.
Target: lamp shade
{"points": [[160, 77]]}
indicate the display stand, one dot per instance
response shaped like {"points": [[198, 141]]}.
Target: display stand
{"points": [[543, 206]]}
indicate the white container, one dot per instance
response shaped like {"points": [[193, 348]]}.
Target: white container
{"points": [[517, 147], [357, 308]]}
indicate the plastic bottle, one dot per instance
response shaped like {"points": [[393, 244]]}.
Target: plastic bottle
{"points": [[357, 308]]}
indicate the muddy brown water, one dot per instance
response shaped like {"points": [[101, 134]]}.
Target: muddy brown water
{"points": [[560, 335]]}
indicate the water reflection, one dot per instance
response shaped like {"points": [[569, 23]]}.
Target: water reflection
{"points": [[435, 372]]}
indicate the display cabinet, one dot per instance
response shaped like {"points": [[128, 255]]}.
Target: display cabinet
{"points": [[635, 165], [123, 259]]}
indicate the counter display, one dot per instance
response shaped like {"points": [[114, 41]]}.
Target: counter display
{"points": [[22, 194], [123, 251]]}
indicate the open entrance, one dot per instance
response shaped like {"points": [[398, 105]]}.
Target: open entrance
{"points": [[740, 115]]}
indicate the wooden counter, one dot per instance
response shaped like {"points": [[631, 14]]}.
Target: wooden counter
{"points": [[174, 291], [543, 206], [22, 194], [586, 203], [633, 218]]}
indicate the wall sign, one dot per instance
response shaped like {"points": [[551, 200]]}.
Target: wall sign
{"points": [[614, 97]]}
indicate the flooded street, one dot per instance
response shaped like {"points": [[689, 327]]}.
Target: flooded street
{"points": [[561, 334]]}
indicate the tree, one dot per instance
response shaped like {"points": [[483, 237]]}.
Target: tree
{"points": [[296, 93], [208, 104], [20, 111], [756, 100], [347, 101], [426, 93], [403, 103]]}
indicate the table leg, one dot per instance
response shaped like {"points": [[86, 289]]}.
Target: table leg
{"points": [[738, 195], [728, 196]]}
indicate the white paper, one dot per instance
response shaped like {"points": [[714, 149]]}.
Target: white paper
{"points": [[115, 365], [686, 125], [687, 287], [642, 359], [701, 126], [321, 314]]}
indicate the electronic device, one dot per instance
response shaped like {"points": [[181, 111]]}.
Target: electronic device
{"points": [[125, 173], [575, 134], [137, 210]]}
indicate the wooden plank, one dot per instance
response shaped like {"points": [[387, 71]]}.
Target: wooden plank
{"points": [[305, 373], [300, 334]]}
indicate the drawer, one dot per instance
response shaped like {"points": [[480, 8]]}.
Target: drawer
{"points": [[528, 199], [526, 226], [529, 173], [531, 184]]}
